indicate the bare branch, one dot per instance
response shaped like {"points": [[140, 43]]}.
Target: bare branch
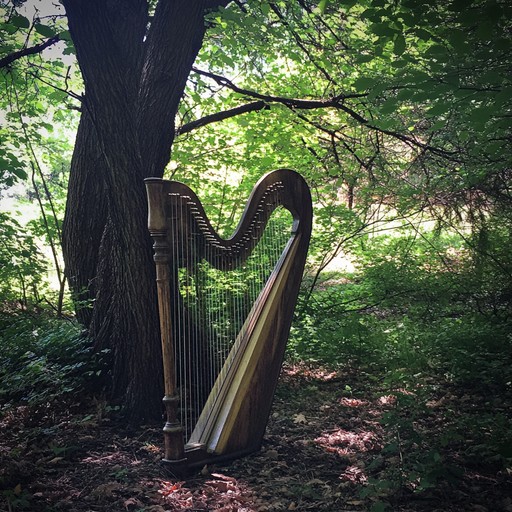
{"points": [[74, 95], [220, 116], [336, 102], [32, 50]]}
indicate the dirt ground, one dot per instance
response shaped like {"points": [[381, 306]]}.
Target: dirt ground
{"points": [[336, 441]]}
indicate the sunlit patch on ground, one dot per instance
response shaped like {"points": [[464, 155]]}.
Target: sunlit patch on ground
{"points": [[354, 474], [347, 443], [152, 448], [353, 402], [233, 497], [291, 370], [387, 400]]}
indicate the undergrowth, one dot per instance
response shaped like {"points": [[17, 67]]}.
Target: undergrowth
{"points": [[43, 359], [421, 319]]}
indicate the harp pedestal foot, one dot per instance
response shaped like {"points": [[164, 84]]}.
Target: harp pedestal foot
{"points": [[173, 431]]}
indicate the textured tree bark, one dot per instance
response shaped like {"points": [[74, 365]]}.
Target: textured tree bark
{"points": [[134, 78], [85, 218]]}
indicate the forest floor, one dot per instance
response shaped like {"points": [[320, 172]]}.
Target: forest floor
{"points": [[336, 441]]}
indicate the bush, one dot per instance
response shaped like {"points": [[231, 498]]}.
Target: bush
{"points": [[415, 304], [43, 359]]}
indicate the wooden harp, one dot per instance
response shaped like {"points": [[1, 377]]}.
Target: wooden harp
{"points": [[226, 306]]}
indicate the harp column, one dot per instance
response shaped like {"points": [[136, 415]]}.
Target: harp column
{"points": [[173, 430]]}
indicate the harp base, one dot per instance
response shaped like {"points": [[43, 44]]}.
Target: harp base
{"points": [[197, 456]]}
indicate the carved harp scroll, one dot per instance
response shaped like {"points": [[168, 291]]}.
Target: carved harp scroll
{"points": [[226, 306]]}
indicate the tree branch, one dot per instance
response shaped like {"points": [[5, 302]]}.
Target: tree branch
{"points": [[336, 102], [38, 48], [220, 116], [69, 93], [300, 43]]}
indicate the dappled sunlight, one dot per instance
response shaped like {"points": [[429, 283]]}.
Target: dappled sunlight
{"points": [[353, 402], [387, 400], [222, 492], [345, 443], [152, 448], [354, 474], [308, 372]]}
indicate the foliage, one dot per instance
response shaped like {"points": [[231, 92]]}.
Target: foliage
{"points": [[22, 266], [35, 148], [421, 311], [43, 360], [412, 303]]}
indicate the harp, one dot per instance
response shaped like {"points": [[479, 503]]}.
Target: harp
{"points": [[226, 306]]}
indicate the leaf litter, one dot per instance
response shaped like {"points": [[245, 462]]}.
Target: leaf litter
{"points": [[325, 449]]}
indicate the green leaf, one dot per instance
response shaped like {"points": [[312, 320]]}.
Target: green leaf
{"points": [[45, 30], [438, 125], [504, 96], [405, 94], [8, 28], [399, 45], [364, 83], [379, 506], [20, 21], [369, 14], [364, 58], [457, 38], [65, 35], [389, 106], [322, 6], [401, 63], [382, 29], [423, 34], [265, 8], [376, 90], [4, 164], [485, 31], [437, 51], [20, 173], [439, 108]]}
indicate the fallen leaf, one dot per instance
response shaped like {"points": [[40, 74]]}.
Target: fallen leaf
{"points": [[55, 460], [299, 418], [224, 477], [222, 486]]}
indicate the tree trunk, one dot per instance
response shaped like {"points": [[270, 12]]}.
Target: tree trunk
{"points": [[85, 219], [134, 79]]}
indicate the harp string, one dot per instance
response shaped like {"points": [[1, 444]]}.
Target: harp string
{"points": [[213, 304]]}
